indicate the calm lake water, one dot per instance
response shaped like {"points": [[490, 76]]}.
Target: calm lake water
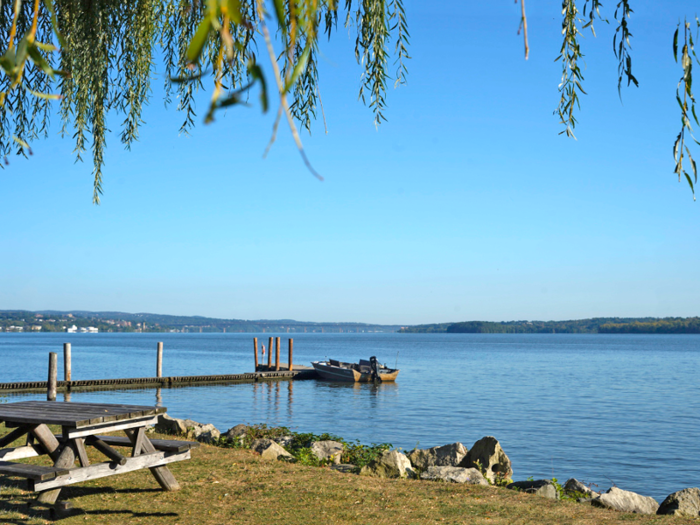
{"points": [[622, 409]]}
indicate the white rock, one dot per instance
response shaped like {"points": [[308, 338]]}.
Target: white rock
{"points": [[455, 474], [332, 450], [444, 456], [206, 433], [391, 464], [574, 485], [685, 502], [488, 455], [268, 449], [171, 425], [541, 487], [626, 501]]}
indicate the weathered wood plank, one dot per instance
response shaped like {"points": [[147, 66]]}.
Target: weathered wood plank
{"points": [[35, 472], [82, 453], [53, 379], [163, 475], [68, 415], [137, 436], [13, 436], [67, 366], [167, 445], [108, 451], [100, 470], [65, 461], [73, 414], [111, 427], [47, 440], [23, 452], [50, 418]]}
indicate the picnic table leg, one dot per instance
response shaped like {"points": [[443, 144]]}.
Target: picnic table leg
{"points": [[63, 458], [162, 474], [66, 459]]}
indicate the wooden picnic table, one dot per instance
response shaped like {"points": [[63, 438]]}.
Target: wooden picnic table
{"points": [[81, 424]]}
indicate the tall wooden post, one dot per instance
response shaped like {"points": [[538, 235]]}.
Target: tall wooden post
{"points": [[159, 361], [53, 377], [291, 351], [255, 349], [269, 354], [277, 355], [67, 372]]}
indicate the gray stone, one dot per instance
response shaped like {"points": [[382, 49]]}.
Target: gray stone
{"points": [[268, 449], [284, 441], [573, 485], [391, 464], [626, 501], [171, 425], [206, 433], [685, 503], [488, 455], [444, 456], [541, 487], [332, 450], [237, 431], [455, 474], [236, 434]]}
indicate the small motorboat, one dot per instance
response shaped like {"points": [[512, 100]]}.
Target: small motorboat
{"points": [[362, 372]]}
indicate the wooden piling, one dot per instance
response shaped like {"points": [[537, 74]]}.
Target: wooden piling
{"points": [[277, 355], [53, 377], [159, 361], [269, 354], [255, 349], [67, 372], [291, 351]]}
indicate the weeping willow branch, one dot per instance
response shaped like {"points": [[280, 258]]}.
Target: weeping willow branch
{"points": [[571, 77], [621, 45], [686, 101], [107, 51], [283, 94], [523, 26]]}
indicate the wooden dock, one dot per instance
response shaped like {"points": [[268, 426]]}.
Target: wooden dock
{"points": [[263, 374], [276, 371]]}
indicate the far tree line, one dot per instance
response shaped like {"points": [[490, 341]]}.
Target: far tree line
{"points": [[598, 325]]}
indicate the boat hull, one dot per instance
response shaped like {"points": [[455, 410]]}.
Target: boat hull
{"points": [[337, 373]]}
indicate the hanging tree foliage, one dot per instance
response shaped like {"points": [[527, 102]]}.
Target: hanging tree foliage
{"points": [[99, 55], [94, 56]]}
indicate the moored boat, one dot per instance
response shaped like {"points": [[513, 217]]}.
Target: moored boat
{"points": [[362, 372]]}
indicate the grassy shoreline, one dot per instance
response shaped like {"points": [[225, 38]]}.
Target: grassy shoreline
{"points": [[229, 485]]}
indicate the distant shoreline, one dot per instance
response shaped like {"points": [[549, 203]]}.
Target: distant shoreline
{"points": [[52, 321], [597, 325]]}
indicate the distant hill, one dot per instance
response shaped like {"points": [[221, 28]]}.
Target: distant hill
{"points": [[58, 321], [597, 325]]}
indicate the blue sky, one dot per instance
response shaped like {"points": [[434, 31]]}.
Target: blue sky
{"points": [[466, 204]]}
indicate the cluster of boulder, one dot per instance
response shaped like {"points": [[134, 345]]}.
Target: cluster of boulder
{"points": [[484, 464]]}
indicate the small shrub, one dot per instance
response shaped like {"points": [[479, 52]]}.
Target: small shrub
{"points": [[361, 455], [305, 440], [502, 480]]}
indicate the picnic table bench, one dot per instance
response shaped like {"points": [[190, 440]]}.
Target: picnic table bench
{"points": [[83, 424]]}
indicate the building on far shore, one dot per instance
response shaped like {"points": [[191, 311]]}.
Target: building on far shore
{"points": [[83, 330]]}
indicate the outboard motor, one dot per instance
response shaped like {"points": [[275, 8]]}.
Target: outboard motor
{"points": [[374, 367]]}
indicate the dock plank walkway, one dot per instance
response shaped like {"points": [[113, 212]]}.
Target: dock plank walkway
{"points": [[263, 373]]}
